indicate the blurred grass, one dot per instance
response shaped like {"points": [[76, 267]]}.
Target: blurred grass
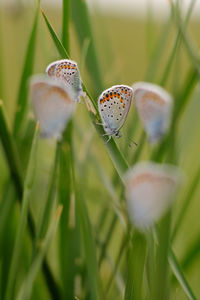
{"points": [[118, 64]]}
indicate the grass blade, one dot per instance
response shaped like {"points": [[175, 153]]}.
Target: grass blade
{"points": [[27, 285], [191, 253], [186, 39], [65, 24], [117, 262], [180, 276], [7, 202], [12, 156], [161, 277], [68, 222], [176, 45], [10, 151], [61, 49], [26, 73], [81, 20], [10, 291], [136, 262], [47, 210], [89, 249], [186, 202]]}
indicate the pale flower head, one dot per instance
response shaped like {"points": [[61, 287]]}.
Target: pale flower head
{"points": [[154, 106]]}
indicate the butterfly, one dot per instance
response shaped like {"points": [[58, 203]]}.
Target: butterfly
{"points": [[67, 71], [113, 105], [52, 105], [150, 189], [154, 106]]}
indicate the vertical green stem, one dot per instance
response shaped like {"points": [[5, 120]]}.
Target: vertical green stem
{"points": [[136, 263], [65, 24], [160, 288]]}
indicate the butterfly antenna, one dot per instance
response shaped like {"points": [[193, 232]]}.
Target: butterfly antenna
{"points": [[132, 142]]}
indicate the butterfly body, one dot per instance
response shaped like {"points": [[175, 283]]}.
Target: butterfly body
{"points": [[113, 105]]}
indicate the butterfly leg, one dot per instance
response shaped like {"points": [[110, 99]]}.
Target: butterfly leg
{"points": [[109, 137], [101, 124]]}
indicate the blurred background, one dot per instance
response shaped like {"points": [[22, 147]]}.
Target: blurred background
{"points": [[127, 35]]}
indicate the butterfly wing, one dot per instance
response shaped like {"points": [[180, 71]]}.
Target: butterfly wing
{"points": [[154, 106], [67, 71], [149, 189], [114, 104], [52, 105]]}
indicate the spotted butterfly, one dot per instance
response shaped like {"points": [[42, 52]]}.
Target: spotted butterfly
{"points": [[52, 105], [67, 71], [113, 105]]}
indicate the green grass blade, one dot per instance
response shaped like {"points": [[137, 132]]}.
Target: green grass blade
{"points": [[184, 94], [26, 73], [10, 291], [14, 164], [10, 151], [7, 203], [47, 210], [108, 237], [193, 187], [117, 262], [1, 64], [160, 288], [180, 276], [65, 24], [176, 45], [194, 58], [81, 20], [191, 253], [27, 285], [139, 149], [61, 49], [158, 52], [136, 263], [89, 248], [68, 223]]}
